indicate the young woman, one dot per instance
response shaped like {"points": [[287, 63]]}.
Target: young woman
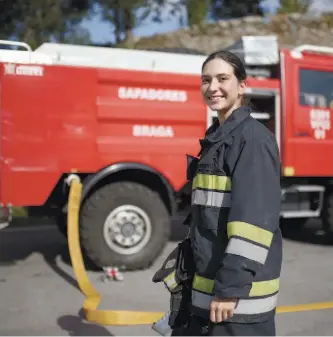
{"points": [[234, 230]]}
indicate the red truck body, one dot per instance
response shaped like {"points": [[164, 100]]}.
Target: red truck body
{"points": [[60, 117], [72, 119]]}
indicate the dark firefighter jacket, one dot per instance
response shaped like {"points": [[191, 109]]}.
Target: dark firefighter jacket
{"points": [[234, 229]]}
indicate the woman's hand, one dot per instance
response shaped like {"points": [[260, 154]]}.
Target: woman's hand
{"points": [[222, 309]]}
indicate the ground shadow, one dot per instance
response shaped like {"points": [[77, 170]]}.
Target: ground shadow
{"points": [[77, 326], [17, 243]]}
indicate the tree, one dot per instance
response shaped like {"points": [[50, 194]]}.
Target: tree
{"points": [[38, 21], [122, 15], [294, 6], [161, 10], [235, 9], [196, 11]]}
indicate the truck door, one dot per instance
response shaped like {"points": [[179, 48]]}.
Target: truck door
{"points": [[307, 102]]}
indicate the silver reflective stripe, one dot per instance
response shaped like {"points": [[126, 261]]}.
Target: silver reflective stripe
{"points": [[201, 300], [247, 249], [244, 306], [211, 198], [256, 306]]}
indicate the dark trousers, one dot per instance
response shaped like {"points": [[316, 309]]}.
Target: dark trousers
{"points": [[199, 327]]}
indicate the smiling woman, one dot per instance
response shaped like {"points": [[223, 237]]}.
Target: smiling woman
{"points": [[223, 83], [234, 228]]}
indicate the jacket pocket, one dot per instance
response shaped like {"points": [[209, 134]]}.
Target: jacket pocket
{"points": [[212, 218], [207, 218]]}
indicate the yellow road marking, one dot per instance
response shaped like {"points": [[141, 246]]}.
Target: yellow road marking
{"points": [[93, 298], [305, 307]]}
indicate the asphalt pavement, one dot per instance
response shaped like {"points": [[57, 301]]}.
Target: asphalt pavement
{"points": [[39, 295]]}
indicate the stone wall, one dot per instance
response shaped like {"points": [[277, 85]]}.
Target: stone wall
{"points": [[291, 30]]}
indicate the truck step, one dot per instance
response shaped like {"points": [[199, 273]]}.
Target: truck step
{"points": [[301, 194]]}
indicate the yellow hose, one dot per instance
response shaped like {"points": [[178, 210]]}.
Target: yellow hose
{"points": [[93, 298]]}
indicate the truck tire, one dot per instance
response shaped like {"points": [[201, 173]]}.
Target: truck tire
{"points": [[327, 212], [125, 225]]}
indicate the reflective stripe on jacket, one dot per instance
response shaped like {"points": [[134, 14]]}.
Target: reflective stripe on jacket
{"points": [[234, 231], [262, 296]]}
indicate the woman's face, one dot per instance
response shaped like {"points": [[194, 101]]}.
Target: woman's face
{"points": [[220, 88]]}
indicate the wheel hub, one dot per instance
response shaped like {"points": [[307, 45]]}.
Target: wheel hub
{"points": [[127, 229]]}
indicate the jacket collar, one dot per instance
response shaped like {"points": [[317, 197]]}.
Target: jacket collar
{"points": [[217, 132]]}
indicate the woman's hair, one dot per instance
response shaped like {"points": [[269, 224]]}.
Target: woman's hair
{"points": [[230, 58]]}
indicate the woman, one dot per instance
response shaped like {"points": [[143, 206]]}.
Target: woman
{"points": [[234, 231]]}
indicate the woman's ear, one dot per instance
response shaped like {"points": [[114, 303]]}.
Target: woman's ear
{"points": [[242, 87]]}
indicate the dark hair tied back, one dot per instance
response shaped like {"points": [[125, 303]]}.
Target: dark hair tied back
{"points": [[230, 58]]}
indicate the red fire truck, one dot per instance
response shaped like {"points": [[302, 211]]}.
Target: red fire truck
{"points": [[123, 120]]}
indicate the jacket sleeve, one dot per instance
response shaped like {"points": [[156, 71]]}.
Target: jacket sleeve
{"points": [[253, 217]]}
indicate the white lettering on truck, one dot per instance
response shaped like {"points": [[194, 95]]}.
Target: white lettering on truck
{"points": [[160, 131], [320, 120], [23, 70], [152, 94]]}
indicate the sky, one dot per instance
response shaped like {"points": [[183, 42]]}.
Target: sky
{"points": [[102, 32]]}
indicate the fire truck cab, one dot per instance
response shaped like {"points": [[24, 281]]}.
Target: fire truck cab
{"points": [[299, 112], [123, 120]]}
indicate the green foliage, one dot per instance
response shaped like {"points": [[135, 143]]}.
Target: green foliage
{"points": [[294, 6], [125, 15], [197, 11], [327, 19], [121, 14], [38, 21]]}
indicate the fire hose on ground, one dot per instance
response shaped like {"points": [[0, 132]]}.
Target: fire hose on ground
{"points": [[93, 297]]}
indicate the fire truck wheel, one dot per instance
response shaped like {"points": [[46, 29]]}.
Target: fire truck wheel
{"points": [[327, 212], [124, 225]]}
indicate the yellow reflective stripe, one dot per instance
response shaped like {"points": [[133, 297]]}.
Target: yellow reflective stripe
{"points": [[265, 287], [261, 288], [170, 277], [203, 284], [212, 182], [250, 232], [170, 281]]}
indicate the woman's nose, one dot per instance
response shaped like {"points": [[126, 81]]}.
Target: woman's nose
{"points": [[214, 85]]}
